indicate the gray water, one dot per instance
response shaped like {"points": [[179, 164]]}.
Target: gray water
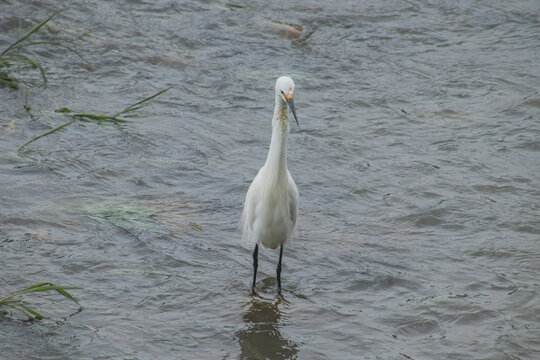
{"points": [[417, 162]]}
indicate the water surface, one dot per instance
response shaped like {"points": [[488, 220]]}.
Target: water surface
{"points": [[417, 162]]}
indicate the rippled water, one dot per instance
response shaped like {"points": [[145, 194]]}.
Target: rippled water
{"points": [[417, 162]]}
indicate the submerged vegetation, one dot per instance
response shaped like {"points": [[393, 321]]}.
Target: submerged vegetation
{"points": [[12, 56], [12, 301], [96, 117]]}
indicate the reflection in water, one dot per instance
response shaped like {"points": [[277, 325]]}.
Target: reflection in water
{"points": [[262, 339]]}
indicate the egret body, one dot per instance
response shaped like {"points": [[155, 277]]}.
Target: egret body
{"points": [[271, 202]]}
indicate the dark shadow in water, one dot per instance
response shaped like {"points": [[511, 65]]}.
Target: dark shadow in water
{"points": [[262, 338]]}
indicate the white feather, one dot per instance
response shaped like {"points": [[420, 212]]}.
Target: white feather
{"points": [[271, 204]]}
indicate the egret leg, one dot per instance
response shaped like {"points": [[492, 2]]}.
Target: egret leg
{"points": [[279, 269], [255, 265]]}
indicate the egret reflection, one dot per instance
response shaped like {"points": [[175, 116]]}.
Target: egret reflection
{"points": [[262, 338]]}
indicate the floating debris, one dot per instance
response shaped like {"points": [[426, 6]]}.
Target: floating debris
{"points": [[286, 31]]}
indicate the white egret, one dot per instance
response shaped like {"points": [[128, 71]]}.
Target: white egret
{"points": [[271, 202]]}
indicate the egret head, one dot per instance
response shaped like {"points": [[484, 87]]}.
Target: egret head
{"points": [[285, 89]]}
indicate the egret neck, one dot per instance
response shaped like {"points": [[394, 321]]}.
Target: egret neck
{"points": [[277, 154]]}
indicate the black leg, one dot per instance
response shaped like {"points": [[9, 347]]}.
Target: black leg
{"points": [[279, 269], [255, 265]]}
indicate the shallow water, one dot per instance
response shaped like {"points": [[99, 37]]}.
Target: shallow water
{"points": [[417, 162]]}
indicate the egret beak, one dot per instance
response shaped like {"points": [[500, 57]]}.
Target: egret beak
{"points": [[290, 102]]}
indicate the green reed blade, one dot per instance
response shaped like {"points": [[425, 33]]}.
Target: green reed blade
{"points": [[26, 60], [28, 34], [44, 286], [134, 106], [49, 287], [62, 291], [35, 314], [17, 307], [30, 288], [21, 291], [63, 110], [47, 133], [29, 312], [98, 117], [9, 82]]}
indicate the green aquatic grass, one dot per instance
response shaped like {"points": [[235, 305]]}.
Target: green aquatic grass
{"points": [[96, 117], [12, 55], [126, 216], [152, 217], [122, 213], [11, 301]]}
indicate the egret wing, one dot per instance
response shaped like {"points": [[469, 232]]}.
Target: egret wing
{"points": [[293, 199]]}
